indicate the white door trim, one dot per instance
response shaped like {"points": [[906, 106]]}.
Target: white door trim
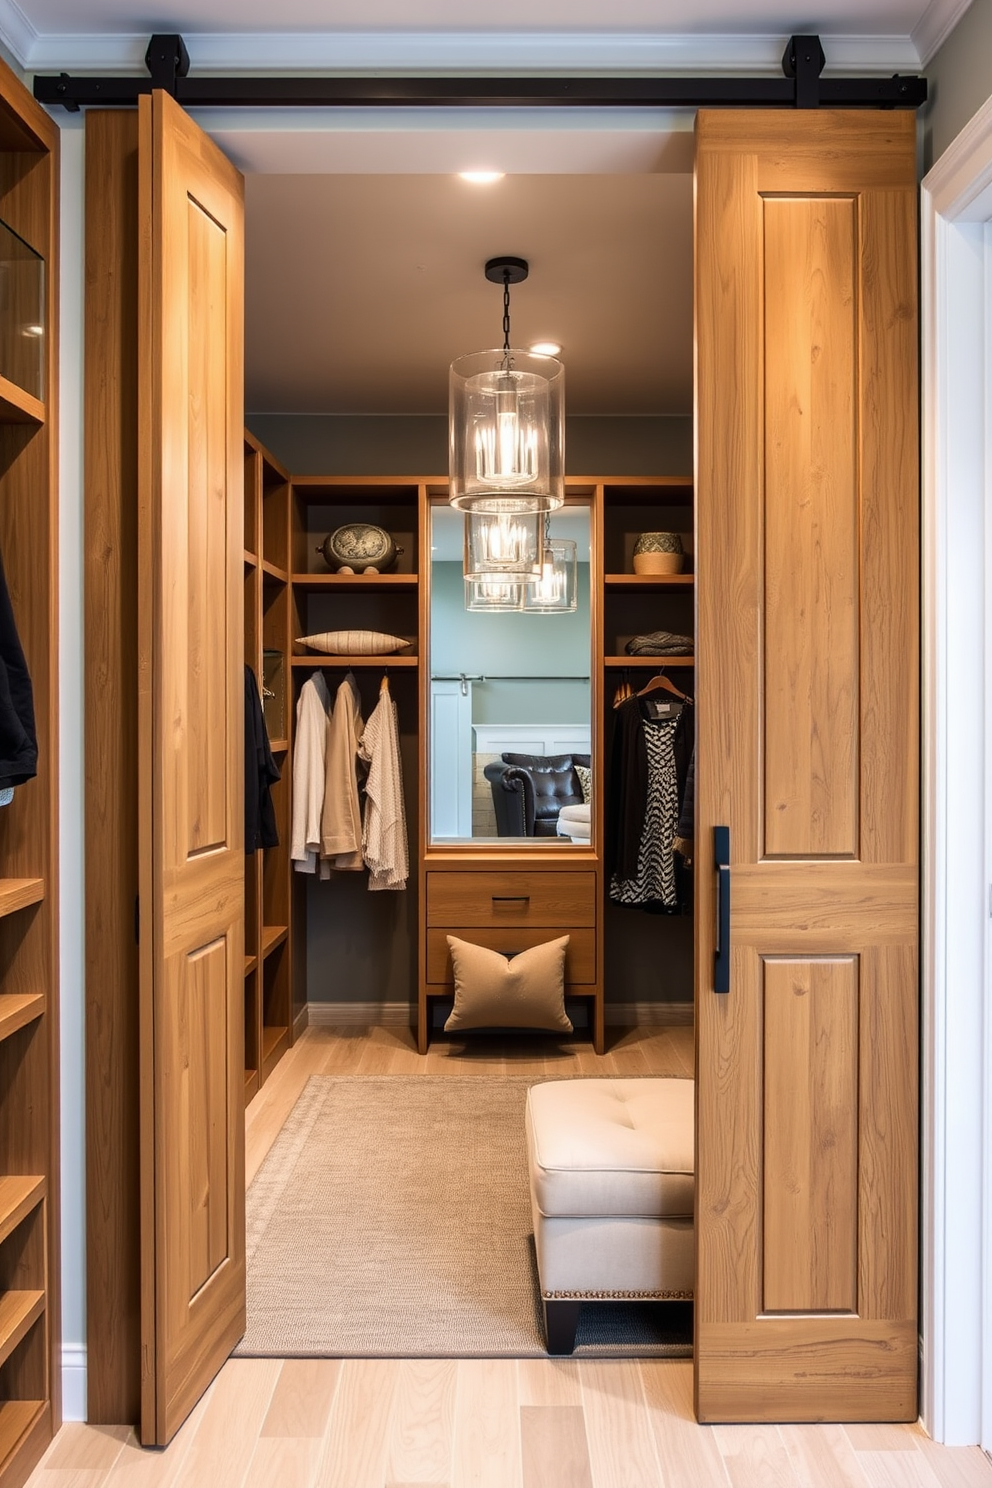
{"points": [[956, 1120]]}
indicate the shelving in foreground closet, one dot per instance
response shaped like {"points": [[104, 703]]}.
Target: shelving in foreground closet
{"points": [[30, 1405]]}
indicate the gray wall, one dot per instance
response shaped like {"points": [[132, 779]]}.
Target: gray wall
{"points": [[960, 80], [376, 444]]}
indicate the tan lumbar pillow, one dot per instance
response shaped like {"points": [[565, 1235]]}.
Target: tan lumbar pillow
{"points": [[353, 642], [497, 991]]}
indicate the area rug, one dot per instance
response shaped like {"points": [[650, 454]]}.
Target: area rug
{"points": [[391, 1218]]}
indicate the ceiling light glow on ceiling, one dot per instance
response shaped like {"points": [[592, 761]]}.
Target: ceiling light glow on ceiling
{"points": [[481, 177], [546, 348]]}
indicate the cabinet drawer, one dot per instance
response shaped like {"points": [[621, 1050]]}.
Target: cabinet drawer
{"points": [[511, 898], [580, 957]]}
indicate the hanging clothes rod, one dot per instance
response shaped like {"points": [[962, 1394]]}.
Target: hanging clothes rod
{"points": [[505, 677]]}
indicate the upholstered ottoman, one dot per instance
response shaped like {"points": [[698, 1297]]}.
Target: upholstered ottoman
{"points": [[611, 1183], [575, 822]]}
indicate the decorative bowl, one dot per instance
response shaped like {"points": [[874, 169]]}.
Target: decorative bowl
{"points": [[359, 547], [658, 553]]}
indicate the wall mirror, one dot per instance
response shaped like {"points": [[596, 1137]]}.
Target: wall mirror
{"points": [[508, 683]]}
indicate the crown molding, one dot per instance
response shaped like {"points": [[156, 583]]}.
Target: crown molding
{"points": [[462, 53], [16, 31], [935, 26]]}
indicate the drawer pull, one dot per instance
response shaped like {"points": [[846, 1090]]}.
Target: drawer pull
{"points": [[511, 898]]}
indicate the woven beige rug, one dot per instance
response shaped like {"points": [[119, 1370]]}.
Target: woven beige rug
{"points": [[391, 1218]]}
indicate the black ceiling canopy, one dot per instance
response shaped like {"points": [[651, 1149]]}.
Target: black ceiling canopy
{"points": [[801, 86]]}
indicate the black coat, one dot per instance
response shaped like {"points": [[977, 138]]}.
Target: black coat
{"points": [[18, 737], [261, 773]]}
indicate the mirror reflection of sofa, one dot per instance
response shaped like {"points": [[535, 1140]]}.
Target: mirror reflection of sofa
{"points": [[529, 791]]}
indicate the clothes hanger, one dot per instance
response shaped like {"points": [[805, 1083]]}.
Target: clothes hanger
{"points": [[660, 683], [624, 690], [384, 682]]}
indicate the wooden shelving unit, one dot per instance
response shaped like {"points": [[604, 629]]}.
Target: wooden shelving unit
{"points": [[342, 663], [648, 663], [268, 648], [30, 1343]]}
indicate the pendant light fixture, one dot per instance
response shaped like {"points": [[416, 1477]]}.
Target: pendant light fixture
{"points": [[506, 421], [555, 589], [493, 596], [503, 545]]}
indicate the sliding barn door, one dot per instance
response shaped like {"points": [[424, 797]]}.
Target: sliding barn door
{"points": [[191, 720], [807, 571]]}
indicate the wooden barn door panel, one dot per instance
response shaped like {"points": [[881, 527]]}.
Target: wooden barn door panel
{"points": [[807, 566], [191, 834]]}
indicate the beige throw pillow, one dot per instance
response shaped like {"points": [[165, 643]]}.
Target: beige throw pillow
{"points": [[497, 991], [353, 642], [584, 773]]}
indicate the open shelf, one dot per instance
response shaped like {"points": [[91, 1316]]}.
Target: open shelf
{"points": [[272, 935], [275, 1042], [315, 583], [251, 962], [18, 1310], [250, 560], [18, 1196], [649, 581], [16, 1419], [388, 662], [272, 572], [251, 1085], [18, 893], [17, 1009], [649, 663], [278, 746], [18, 406]]}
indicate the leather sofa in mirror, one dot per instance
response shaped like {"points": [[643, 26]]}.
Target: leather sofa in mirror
{"points": [[529, 790]]}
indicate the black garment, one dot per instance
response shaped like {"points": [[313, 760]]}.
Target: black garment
{"points": [[627, 793], [687, 817], [18, 739], [261, 772]]}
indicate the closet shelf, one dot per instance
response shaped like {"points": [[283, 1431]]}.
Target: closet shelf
{"points": [[647, 663], [18, 406], [345, 662], [316, 583], [17, 1009], [278, 746], [251, 1085], [250, 560], [272, 935], [18, 893], [659, 490], [270, 571], [18, 1310], [16, 1419], [275, 1041], [251, 962], [649, 581], [18, 1196]]}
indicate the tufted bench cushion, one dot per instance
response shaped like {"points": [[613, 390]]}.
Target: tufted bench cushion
{"points": [[612, 1190], [575, 822]]}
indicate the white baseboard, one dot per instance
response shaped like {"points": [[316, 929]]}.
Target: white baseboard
{"points": [[394, 1014], [74, 1382]]}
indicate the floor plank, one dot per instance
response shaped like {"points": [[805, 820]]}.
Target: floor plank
{"points": [[957, 1467], [754, 1456], [549, 1382], [358, 1429], [302, 1399], [226, 1433], [423, 1415], [486, 1445], [553, 1448], [687, 1452], [823, 1456], [621, 1442]]}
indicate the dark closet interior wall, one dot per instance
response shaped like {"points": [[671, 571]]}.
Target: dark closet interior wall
{"points": [[408, 444], [362, 947]]}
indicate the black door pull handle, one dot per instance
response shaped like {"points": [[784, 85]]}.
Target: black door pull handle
{"points": [[721, 958]]}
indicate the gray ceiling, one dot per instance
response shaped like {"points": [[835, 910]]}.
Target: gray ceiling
{"points": [[362, 289]]}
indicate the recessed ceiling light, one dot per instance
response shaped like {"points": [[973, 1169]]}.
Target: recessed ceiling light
{"points": [[545, 348], [481, 178]]}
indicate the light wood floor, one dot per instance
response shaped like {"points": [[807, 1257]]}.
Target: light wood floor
{"points": [[480, 1423]]}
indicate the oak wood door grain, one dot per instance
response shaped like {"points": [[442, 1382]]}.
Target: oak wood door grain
{"points": [[807, 563], [191, 761]]}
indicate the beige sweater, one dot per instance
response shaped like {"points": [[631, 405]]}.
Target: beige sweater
{"points": [[341, 818], [309, 755], [384, 836]]}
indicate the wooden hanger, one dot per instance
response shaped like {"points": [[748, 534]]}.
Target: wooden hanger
{"points": [[660, 683], [384, 683]]}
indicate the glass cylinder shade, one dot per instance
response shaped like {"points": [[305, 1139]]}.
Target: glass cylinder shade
{"points": [[493, 596], [555, 590], [506, 432], [505, 545]]}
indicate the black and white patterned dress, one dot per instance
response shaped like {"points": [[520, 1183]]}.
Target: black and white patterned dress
{"points": [[654, 882]]}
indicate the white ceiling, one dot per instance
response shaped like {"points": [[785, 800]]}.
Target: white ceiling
{"points": [[365, 253]]}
